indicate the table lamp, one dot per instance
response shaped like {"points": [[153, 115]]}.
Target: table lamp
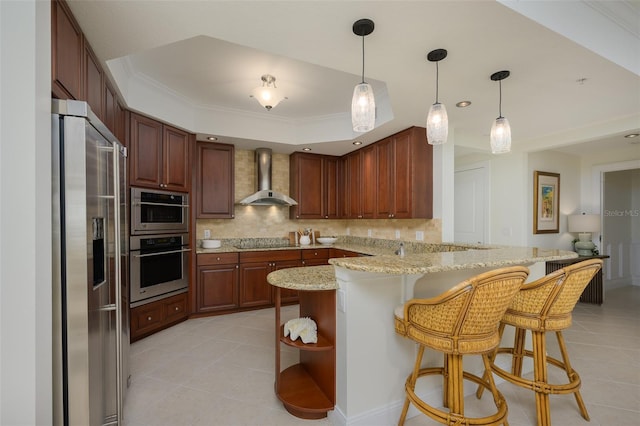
{"points": [[584, 225]]}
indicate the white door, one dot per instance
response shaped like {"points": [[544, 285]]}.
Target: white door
{"points": [[469, 207]]}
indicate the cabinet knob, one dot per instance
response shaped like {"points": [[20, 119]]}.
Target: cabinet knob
{"points": [[326, 217], [149, 318], [177, 308], [218, 258]]}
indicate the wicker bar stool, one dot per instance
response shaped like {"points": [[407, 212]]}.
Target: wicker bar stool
{"points": [[463, 320], [545, 305]]}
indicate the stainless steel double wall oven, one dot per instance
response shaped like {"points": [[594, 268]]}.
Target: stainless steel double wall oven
{"points": [[159, 244]]}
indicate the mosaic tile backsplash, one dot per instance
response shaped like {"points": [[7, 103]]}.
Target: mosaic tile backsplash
{"points": [[273, 221]]}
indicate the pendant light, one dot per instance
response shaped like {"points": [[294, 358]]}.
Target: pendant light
{"points": [[437, 120], [500, 130], [363, 104]]}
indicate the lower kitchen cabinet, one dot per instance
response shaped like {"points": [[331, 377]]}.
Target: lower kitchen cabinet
{"points": [[217, 282], [315, 257], [155, 316], [255, 291]]}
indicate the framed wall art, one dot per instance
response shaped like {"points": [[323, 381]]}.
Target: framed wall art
{"points": [[546, 203]]}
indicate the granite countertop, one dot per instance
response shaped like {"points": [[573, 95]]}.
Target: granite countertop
{"points": [[307, 278], [420, 258], [424, 263]]}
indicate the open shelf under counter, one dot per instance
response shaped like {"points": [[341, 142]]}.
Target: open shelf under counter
{"points": [[308, 389]]}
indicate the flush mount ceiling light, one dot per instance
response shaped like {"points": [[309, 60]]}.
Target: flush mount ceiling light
{"points": [[212, 138], [357, 143], [463, 104], [500, 130], [437, 120], [268, 94], [363, 104]]}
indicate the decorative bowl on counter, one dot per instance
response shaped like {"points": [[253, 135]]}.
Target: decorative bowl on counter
{"points": [[209, 244], [326, 240]]}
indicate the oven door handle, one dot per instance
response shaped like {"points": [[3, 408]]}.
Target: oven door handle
{"points": [[139, 203], [161, 253]]}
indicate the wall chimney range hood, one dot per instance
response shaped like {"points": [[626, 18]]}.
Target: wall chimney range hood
{"points": [[266, 196]]}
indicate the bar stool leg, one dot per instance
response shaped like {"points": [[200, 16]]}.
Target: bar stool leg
{"points": [[540, 384], [518, 351], [571, 374], [492, 384], [411, 384], [455, 394]]}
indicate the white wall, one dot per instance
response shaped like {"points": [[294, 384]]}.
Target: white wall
{"points": [[25, 213], [568, 166]]}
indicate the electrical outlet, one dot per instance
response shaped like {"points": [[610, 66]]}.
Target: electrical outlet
{"points": [[369, 232], [397, 233], [207, 234], [420, 235]]}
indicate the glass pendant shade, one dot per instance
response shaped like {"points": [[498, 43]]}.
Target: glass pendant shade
{"points": [[268, 94], [437, 124], [363, 108], [500, 136]]}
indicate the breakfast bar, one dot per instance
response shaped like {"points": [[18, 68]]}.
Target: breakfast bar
{"points": [[371, 361]]}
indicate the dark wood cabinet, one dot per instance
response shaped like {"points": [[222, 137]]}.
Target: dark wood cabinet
{"points": [[255, 291], [110, 108], [155, 316], [215, 193], [412, 186], [315, 257], [313, 183], [308, 389], [122, 124], [66, 53], [350, 183], [159, 155], [404, 176], [217, 282], [335, 252], [93, 82], [368, 182]]}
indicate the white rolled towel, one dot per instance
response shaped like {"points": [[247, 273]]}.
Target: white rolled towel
{"points": [[305, 328]]}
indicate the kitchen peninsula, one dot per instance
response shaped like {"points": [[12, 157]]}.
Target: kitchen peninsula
{"points": [[372, 362]]}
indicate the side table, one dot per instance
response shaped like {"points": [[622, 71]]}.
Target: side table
{"points": [[594, 292]]}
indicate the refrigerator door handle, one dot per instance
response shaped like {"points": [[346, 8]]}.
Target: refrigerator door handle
{"points": [[118, 275]]}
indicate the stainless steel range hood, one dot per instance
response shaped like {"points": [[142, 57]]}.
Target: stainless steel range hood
{"points": [[266, 196]]}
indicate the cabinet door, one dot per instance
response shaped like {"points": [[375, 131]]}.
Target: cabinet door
{"points": [[255, 291], [93, 82], [146, 152], [66, 53], [176, 167], [413, 174], [110, 108], [306, 185], [146, 318], [121, 124], [368, 179], [331, 192], [351, 176], [385, 159], [217, 288], [215, 192]]}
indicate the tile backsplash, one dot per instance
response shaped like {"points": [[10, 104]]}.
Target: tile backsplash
{"points": [[273, 221]]}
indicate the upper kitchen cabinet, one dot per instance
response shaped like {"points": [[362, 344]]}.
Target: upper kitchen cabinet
{"points": [[94, 84], [405, 176], [314, 185], [350, 184], [66, 53], [215, 193], [159, 155]]}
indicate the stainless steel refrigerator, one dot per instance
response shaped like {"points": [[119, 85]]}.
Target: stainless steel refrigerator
{"points": [[90, 268]]}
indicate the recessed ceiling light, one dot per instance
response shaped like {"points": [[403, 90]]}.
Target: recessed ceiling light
{"points": [[357, 142], [212, 138], [632, 135], [463, 104], [306, 149]]}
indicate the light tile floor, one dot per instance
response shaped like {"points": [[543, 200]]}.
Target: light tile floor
{"points": [[220, 371]]}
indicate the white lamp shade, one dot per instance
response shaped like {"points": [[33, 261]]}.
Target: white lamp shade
{"points": [[437, 124], [584, 223], [268, 97], [363, 108], [500, 136]]}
